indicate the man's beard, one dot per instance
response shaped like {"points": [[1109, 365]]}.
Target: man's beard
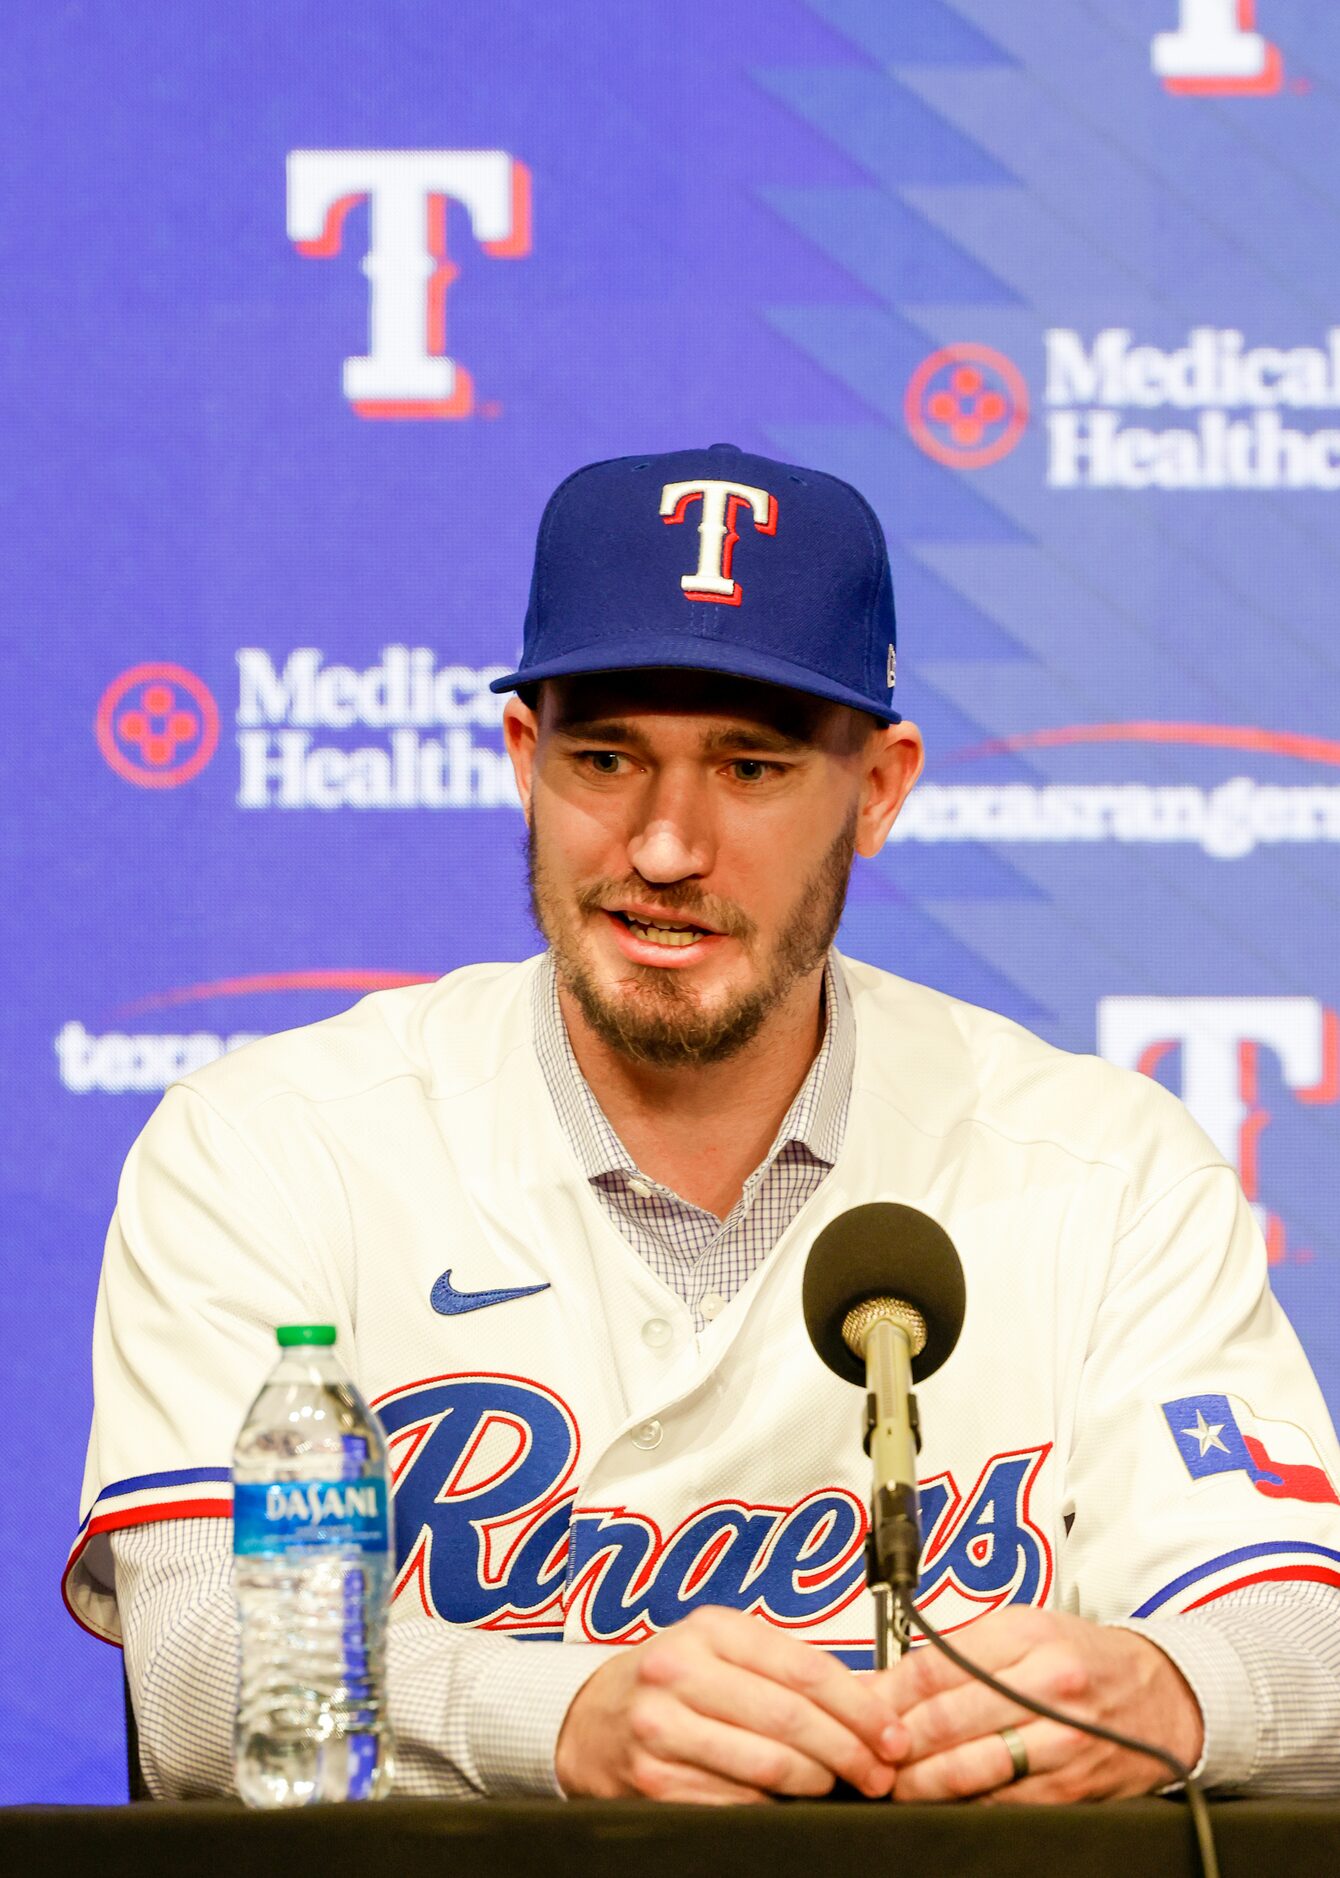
{"points": [[654, 1017]]}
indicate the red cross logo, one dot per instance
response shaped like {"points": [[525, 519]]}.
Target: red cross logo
{"points": [[157, 725]]}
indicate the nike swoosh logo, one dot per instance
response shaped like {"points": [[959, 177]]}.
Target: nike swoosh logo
{"points": [[450, 1302]]}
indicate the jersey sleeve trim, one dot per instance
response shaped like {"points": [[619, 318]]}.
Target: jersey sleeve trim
{"points": [[138, 1500], [1284, 1574], [169, 1479], [1295, 1560]]}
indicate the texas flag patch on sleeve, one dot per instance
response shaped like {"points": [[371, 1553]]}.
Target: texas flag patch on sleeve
{"points": [[1220, 1434]]}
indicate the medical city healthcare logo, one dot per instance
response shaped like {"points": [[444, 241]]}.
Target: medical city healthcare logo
{"points": [[966, 405], [157, 725], [402, 733], [406, 371], [1213, 412], [314, 733]]}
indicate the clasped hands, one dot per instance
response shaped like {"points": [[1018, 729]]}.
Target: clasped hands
{"points": [[724, 1708]]}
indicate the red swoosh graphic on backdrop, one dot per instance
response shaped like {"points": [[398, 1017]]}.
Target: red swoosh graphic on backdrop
{"points": [[333, 979], [1206, 736]]}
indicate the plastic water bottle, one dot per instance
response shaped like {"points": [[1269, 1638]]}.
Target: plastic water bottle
{"points": [[312, 1575]]}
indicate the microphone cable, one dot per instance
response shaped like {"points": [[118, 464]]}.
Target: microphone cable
{"points": [[1200, 1813]]}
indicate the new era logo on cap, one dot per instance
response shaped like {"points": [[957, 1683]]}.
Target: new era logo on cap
{"points": [[791, 562]]}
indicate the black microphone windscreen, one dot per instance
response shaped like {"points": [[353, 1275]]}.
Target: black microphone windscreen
{"points": [[883, 1250]]}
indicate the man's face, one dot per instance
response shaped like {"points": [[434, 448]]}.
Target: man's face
{"points": [[690, 842]]}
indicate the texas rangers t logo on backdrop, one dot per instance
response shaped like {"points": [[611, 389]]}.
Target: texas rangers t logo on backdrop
{"points": [[405, 371], [1216, 50], [717, 531], [1220, 1040]]}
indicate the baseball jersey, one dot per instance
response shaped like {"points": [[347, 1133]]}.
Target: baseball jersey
{"points": [[1127, 1426]]}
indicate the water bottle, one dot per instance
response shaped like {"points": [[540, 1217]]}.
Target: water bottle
{"points": [[312, 1576]]}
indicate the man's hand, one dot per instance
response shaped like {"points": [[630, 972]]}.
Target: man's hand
{"points": [[723, 1708], [1113, 1677]]}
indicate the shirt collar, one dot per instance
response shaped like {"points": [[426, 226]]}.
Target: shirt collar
{"points": [[816, 1119]]}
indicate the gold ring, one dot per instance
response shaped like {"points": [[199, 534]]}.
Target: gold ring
{"points": [[1014, 1741]]}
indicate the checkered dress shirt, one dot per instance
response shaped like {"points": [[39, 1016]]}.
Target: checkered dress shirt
{"points": [[703, 1259]]}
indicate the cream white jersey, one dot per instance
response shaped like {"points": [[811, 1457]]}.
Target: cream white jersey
{"points": [[1127, 1426]]}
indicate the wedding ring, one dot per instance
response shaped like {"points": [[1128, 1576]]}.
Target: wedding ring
{"points": [[1014, 1741]]}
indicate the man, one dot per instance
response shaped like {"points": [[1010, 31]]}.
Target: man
{"points": [[559, 1212]]}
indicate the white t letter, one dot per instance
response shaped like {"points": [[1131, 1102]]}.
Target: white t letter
{"points": [[405, 371], [717, 533], [1212, 49]]}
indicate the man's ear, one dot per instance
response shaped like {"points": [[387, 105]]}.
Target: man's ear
{"points": [[521, 736], [891, 763]]}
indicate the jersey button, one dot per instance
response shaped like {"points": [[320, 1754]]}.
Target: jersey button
{"points": [[712, 1305], [656, 1333], [648, 1435], [640, 1188]]}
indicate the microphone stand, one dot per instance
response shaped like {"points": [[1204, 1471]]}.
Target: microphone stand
{"points": [[891, 1627]]}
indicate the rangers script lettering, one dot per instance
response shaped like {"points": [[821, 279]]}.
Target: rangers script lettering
{"points": [[489, 1531]]}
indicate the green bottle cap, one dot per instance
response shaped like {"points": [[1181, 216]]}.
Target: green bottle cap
{"points": [[291, 1334]]}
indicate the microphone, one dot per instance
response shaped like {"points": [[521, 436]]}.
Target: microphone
{"points": [[883, 1300]]}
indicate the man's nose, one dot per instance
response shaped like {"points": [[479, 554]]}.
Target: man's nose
{"points": [[673, 837]]}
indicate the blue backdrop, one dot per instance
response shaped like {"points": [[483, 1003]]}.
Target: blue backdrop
{"points": [[1058, 286]]}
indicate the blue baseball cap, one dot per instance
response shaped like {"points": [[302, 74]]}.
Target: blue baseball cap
{"points": [[713, 560]]}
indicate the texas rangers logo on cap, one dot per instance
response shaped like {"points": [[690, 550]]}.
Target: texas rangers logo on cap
{"points": [[717, 533]]}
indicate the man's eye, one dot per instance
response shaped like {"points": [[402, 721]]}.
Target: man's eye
{"points": [[603, 762], [751, 769]]}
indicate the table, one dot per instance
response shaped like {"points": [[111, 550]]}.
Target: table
{"points": [[547, 1839]]}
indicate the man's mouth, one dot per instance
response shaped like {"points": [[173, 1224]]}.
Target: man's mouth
{"points": [[660, 932]]}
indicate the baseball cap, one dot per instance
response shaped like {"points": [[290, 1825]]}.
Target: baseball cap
{"points": [[713, 560]]}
